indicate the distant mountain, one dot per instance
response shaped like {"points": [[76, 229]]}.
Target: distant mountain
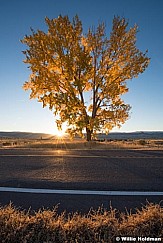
{"points": [[25, 135], [132, 135], [112, 135]]}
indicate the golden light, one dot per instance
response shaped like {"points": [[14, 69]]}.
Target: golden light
{"points": [[60, 133]]}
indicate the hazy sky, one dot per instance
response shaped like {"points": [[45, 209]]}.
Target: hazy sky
{"points": [[18, 113]]}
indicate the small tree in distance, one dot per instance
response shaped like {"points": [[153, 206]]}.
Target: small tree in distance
{"points": [[67, 66]]}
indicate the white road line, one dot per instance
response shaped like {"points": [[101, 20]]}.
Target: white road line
{"points": [[81, 192]]}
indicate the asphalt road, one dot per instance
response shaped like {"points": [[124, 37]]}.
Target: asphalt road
{"points": [[112, 170]]}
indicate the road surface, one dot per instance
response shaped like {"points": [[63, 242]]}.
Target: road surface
{"points": [[89, 170]]}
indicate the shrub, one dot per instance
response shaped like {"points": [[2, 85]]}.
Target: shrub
{"points": [[142, 142]]}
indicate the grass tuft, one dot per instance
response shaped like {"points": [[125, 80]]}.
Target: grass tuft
{"points": [[97, 226]]}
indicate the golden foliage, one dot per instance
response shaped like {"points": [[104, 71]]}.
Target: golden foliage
{"points": [[65, 64]]}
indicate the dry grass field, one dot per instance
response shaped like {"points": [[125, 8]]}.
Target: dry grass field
{"points": [[64, 143], [100, 226]]}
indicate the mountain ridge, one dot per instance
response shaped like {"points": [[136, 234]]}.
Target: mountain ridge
{"points": [[112, 135]]}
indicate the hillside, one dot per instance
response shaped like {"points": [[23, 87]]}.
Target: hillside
{"points": [[112, 135], [25, 135], [132, 135]]}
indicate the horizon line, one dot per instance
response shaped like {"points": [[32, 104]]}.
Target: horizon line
{"points": [[41, 132]]}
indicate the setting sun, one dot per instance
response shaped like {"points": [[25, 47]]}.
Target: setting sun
{"points": [[59, 133]]}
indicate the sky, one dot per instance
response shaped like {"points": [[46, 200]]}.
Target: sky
{"points": [[19, 113]]}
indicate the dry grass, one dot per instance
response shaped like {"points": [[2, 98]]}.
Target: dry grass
{"points": [[81, 144], [96, 226]]}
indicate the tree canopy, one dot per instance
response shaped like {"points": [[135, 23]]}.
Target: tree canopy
{"points": [[68, 66]]}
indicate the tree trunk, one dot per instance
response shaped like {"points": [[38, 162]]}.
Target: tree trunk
{"points": [[89, 134]]}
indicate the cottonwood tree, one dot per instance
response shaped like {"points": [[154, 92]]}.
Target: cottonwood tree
{"points": [[68, 66]]}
